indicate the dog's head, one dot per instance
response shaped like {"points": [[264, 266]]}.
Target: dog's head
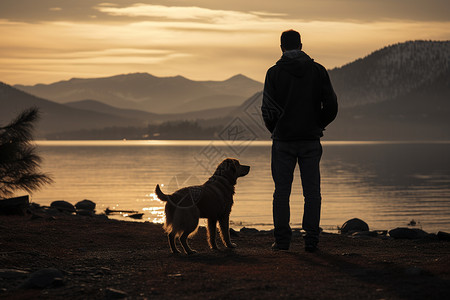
{"points": [[231, 169]]}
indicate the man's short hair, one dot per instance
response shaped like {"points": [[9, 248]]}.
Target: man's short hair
{"points": [[290, 40]]}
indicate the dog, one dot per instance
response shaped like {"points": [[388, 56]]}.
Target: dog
{"points": [[212, 200]]}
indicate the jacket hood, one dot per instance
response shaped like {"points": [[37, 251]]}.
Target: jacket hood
{"points": [[295, 62]]}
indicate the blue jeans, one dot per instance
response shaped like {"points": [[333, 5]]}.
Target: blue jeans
{"points": [[285, 156]]}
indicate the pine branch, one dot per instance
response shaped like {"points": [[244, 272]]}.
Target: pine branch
{"points": [[27, 182], [15, 157], [21, 128], [18, 159]]}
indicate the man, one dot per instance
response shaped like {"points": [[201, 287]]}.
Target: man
{"points": [[298, 103]]}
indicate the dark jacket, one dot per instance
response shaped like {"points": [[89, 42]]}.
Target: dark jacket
{"points": [[298, 100]]}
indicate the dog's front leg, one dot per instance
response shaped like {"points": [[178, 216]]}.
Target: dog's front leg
{"points": [[224, 224], [212, 224]]}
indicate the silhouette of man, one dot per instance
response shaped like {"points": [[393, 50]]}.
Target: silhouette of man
{"points": [[298, 103]]}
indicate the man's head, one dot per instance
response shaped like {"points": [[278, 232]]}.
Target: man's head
{"points": [[290, 40]]}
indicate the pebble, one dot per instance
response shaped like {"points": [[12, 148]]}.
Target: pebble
{"points": [[351, 254], [45, 278], [233, 232], [407, 233], [365, 234], [248, 230], [443, 236], [354, 225], [12, 273], [62, 205], [85, 205], [111, 293], [414, 271]]}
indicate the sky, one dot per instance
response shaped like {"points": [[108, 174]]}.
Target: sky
{"points": [[44, 41]]}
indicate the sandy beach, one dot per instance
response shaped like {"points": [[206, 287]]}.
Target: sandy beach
{"points": [[99, 258]]}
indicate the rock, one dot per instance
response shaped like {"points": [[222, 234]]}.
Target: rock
{"points": [[36, 216], [233, 233], [86, 205], [443, 236], [14, 206], [412, 223], [45, 278], [85, 212], [136, 216], [407, 233], [413, 271], [63, 206], [115, 294], [103, 217], [12, 273], [365, 234], [354, 225], [352, 254], [35, 209], [248, 230]]}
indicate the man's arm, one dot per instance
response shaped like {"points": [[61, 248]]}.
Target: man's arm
{"points": [[270, 109], [329, 101]]}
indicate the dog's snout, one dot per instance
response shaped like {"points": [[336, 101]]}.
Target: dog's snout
{"points": [[244, 170]]}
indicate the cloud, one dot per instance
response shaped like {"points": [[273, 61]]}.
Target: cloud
{"points": [[268, 14], [200, 41], [192, 13], [358, 11]]}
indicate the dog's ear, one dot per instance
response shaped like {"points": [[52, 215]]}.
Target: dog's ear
{"points": [[232, 164], [228, 169]]}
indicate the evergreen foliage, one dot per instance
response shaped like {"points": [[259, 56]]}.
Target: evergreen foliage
{"points": [[19, 163]]}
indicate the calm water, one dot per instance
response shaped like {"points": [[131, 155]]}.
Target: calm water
{"points": [[385, 184]]}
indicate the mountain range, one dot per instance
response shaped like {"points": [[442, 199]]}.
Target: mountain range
{"points": [[149, 93], [85, 115], [398, 92], [391, 72]]}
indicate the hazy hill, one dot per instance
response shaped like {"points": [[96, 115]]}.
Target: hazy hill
{"points": [[391, 72], [96, 106], [421, 113], [87, 114], [147, 117], [55, 117], [150, 93]]}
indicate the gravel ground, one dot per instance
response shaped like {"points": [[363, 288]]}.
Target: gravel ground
{"points": [[96, 258]]}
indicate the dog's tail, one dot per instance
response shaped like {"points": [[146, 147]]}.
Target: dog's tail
{"points": [[160, 194]]}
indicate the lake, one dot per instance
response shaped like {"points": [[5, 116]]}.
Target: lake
{"points": [[387, 184]]}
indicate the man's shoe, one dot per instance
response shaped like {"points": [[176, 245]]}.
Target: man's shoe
{"points": [[276, 247], [311, 248]]}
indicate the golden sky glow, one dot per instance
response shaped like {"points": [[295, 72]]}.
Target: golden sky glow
{"points": [[48, 40]]}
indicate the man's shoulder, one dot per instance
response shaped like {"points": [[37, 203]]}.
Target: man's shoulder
{"points": [[272, 71], [319, 67], [321, 70], [272, 68]]}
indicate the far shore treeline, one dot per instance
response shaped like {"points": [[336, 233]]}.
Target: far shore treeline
{"points": [[175, 130]]}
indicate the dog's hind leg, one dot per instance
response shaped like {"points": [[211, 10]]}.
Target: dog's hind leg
{"points": [[212, 227], [224, 224], [173, 247], [184, 243]]}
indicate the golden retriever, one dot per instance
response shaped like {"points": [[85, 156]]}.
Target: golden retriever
{"points": [[212, 200]]}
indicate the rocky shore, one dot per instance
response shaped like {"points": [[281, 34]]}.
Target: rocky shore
{"points": [[49, 254]]}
